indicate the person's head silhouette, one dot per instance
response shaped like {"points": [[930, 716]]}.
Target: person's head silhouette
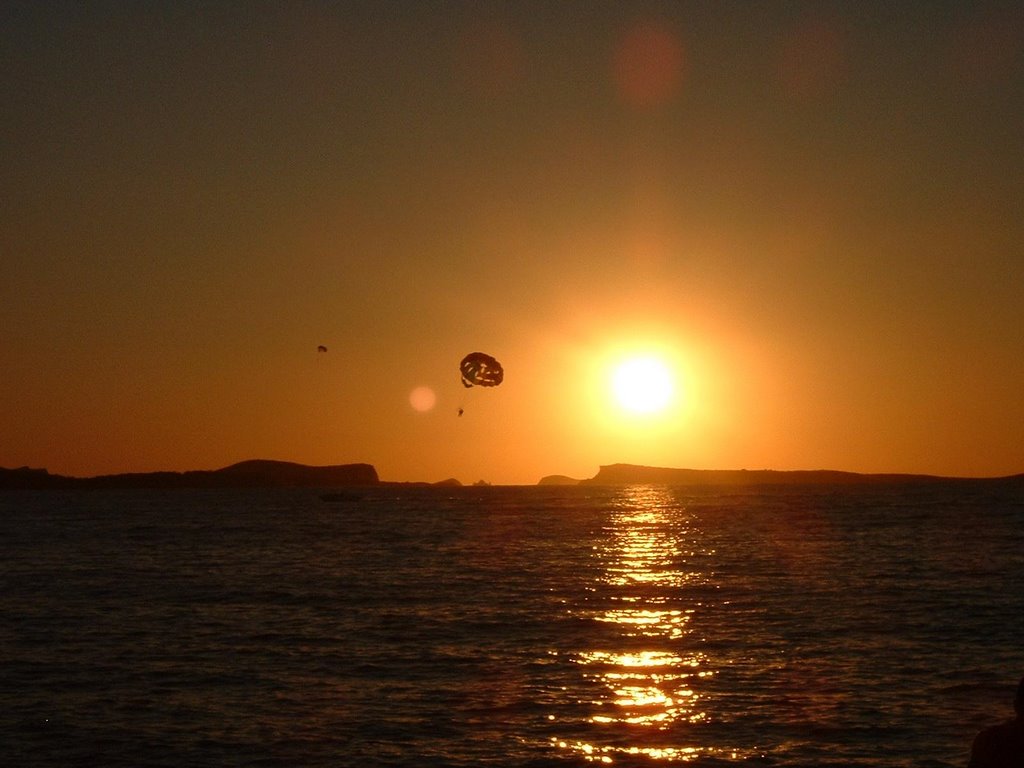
{"points": [[1002, 745]]}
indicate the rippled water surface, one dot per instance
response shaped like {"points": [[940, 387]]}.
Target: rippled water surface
{"points": [[811, 626]]}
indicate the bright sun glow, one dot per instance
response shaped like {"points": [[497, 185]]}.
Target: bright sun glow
{"points": [[642, 385]]}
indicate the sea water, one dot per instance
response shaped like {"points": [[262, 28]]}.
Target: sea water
{"points": [[522, 626]]}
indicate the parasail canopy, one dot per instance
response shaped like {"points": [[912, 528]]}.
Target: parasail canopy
{"points": [[481, 370]]}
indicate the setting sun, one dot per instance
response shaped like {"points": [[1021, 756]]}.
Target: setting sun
{"points": [[642, 385]]}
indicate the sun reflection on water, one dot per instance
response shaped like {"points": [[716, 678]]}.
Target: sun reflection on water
{"points": [[648, 686]]}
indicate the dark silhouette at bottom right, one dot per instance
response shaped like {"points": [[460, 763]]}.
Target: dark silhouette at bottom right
{"points": [[1002, 746]]}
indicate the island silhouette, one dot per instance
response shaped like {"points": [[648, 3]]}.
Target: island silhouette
{"points": [[255, 473], [265, 473]]}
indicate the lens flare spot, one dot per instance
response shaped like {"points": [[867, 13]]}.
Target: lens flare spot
{"points": [[422, 399], [649, 66]]}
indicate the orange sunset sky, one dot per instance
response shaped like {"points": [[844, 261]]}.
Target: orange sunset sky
{"points": [[811, 215]]}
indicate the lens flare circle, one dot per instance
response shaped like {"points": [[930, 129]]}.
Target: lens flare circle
{"points": [[422, 399]]}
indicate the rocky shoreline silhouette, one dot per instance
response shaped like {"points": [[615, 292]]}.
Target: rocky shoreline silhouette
{"points": [[263, 473]]}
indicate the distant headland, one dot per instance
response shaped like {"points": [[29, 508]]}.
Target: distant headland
{"points": [[634, 474], [263, 473], [627, 474]]}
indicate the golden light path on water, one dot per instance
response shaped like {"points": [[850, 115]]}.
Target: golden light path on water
{"points": [[649, 683]]}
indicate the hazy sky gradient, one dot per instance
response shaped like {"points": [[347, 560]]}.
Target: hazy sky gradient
{"points": [[814, 210]]}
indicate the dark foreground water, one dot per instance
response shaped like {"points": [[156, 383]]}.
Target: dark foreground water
{"points": [[508, 626]]}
